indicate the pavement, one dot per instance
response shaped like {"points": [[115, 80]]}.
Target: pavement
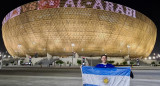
{"points": [[36, 76]]}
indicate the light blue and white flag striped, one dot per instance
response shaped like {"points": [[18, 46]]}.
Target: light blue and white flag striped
{"points": [[117, 76]]}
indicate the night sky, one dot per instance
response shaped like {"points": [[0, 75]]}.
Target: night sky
{"points": [[150, 8]]}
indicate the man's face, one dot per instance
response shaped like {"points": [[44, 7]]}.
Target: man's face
{"points": [[104, 59]]}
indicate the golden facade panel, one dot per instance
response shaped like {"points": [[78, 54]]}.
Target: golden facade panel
{"points": [[52, 29]]}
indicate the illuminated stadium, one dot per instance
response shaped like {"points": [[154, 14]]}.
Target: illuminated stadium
{"points": [[87, 27]]}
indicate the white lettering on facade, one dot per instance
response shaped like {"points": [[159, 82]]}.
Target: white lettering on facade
{"points": [[69, 2], [98, 4], [79, 4], [128, 11], [109, 6], [119, 9], [134, 13]]}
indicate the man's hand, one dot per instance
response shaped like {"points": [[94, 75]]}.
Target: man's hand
{"points": [[81, 66]]}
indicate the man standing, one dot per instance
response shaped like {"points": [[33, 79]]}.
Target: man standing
{"points": [[104, 63]]}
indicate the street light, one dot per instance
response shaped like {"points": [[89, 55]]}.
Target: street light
{"points": [[72, 51], [36, 54], [128, 49], [72, 46], [128, 46], [19, 46], [120, 52], [82, 50], [154, 57]]}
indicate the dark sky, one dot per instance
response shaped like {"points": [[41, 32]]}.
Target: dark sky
{"points": [[149, 8]]}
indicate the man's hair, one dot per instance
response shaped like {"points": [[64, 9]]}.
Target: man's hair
{"points": [[103, 55]]}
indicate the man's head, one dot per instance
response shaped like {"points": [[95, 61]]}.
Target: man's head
{"points": [[104, 58]]}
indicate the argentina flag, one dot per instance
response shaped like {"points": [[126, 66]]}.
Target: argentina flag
{"points": [[117, 76]]}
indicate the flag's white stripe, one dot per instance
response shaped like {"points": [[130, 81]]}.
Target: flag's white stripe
{"points": [[113, 80]]}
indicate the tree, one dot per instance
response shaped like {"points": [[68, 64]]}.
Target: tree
{"points": [[111, 62], [131, 63], [124, 63], [117, 63], [21, 61], [153, 63], [12, 62], [79, 62], [67, 62], [60, 62], [7, 64]]}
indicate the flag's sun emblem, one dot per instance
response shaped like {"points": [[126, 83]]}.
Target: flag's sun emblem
{"points": [[106, 81]]}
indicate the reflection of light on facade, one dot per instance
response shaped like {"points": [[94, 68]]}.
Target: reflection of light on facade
{"points": [[154, 53], [82, 49], [154, 57], [5, 55], [19, 45], [157, 57], [72, 44], [33, 43], [149, 58]]}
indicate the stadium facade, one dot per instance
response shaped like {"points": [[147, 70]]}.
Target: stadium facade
{"points": [[87, 27]]}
